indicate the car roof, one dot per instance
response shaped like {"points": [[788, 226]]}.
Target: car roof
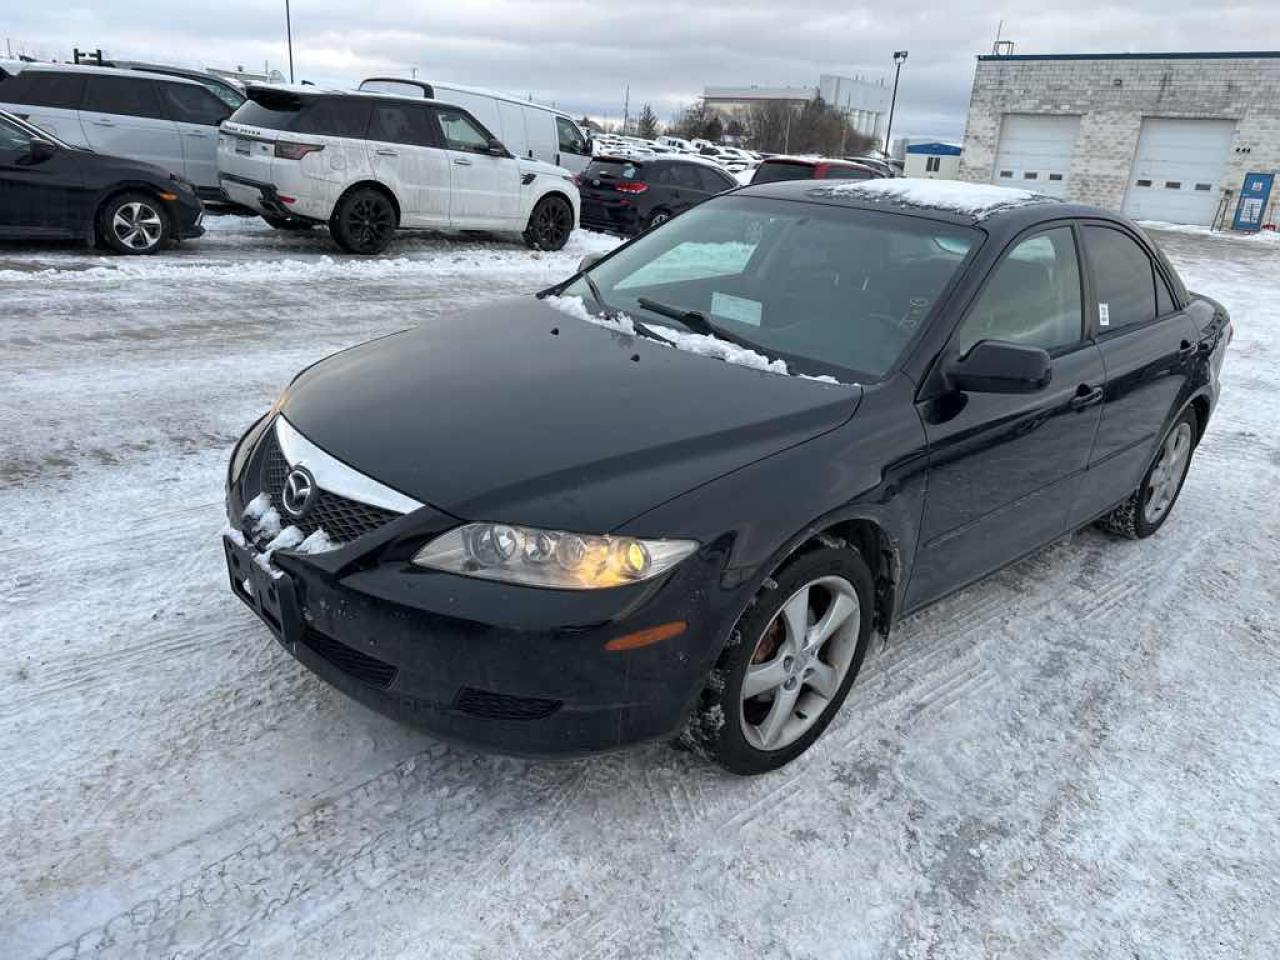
{"points": [[104, 71], [460, 88], [951, 201], [306, 90]]}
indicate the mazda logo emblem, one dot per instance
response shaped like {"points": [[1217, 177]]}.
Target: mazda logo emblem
{"points": [[299, 490]]}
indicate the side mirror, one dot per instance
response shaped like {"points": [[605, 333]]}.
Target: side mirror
{"points": [[496, 148], [589, 261], [41, 150], [997, 366]]}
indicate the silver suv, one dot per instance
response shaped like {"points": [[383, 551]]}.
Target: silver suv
{"points": [[166, 120]]}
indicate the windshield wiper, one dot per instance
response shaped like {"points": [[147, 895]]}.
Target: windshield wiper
{"points": [[610, 314], [699, 323]]}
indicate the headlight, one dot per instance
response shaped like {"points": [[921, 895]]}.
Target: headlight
{"points": [[550, 558]]}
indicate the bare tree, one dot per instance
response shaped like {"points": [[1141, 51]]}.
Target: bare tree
{"points": [[812, 127]]}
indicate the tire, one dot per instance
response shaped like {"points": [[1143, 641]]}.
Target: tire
{"points": [[134, 224], [1149, 506], [550, 224], [756, 734], [286, 223], [657, 219], [364, 222]]}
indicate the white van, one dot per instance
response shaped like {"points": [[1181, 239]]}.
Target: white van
{"points": [[528, 129]]}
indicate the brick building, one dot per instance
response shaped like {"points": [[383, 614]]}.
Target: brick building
{"points": [[1159, 136]]}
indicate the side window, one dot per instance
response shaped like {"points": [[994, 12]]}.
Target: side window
{"points": [[232, 98], [685, 175], [1033, 297], [403, 123], [660, 173], [188, 103], [124, 96], [1123, 278], [336, 117], [61, 91], [1164, 299], [837, 172], [12, 138], [462, 133], [712, 182], [571, 139]]}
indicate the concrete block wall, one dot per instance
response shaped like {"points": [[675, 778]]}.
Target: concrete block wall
{"points": [[1112, 96]]}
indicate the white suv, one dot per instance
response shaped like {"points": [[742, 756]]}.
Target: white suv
{"points": [[366, 164]]}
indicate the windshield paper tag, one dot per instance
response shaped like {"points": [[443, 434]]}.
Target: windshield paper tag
{"points": [[738, 309], [1104, 315]]}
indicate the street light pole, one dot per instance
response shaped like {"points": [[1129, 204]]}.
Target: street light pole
{"points": [[899, 57], [288, 29]]}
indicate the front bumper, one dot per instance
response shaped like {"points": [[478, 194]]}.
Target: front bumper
{"points": [[507, 668]]}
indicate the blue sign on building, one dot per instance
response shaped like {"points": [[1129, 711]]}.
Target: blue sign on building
{"points": [[1254, 193]]}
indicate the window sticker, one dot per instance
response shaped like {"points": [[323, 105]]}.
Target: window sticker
{"points": [[1104, 315], [738, 309]]}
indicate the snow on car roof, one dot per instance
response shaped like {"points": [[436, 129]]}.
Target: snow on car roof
{"points": [[977, 200]]}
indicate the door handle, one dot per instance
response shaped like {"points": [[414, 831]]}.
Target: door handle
{"points": [[1086, 396], [386, 153], [462, 161]]}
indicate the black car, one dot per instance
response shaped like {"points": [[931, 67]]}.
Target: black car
{"points": [[626, 196], [50, 190], [546, 530]]}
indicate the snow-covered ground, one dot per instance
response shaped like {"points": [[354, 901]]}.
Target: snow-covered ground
{"points": [[1078, 758]]}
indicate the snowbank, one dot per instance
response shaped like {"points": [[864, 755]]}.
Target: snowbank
{"points": [[977, 200]]}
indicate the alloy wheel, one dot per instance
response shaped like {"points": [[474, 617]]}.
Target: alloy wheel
{"points": [[137, 225], [369, 222], [1166, 478], [800, 662], [551, 225]]}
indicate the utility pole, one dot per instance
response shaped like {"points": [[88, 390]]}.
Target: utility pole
{"points": [[288, 28], [626, 110], [899, 57]]}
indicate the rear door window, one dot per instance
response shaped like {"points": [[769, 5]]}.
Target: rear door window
{"points": [[335, 117], [1123, 278], [685, 175], [190, 103], [403, 123], [124, 96], [60, 91]]}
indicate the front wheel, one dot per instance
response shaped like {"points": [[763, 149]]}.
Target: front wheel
{"points": [[134, 224], [1148, 507], [364, 222], [788, 664], [550, 224]]}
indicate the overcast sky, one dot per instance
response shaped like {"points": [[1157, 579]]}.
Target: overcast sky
{"points": [[582, 55]]}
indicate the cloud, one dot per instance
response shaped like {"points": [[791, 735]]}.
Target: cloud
{"points": [[583, 55]]}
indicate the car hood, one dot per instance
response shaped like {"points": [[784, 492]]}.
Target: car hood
{"points": [[517, 412]]}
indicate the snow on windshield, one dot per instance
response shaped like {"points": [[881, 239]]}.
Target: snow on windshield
{"points": [[977, 200], [698, 343]]}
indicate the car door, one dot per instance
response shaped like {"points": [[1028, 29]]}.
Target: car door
{"points": [[686, 186], [197, 113], [1148, 348], [484, 188], [41, 193], [1003, 468], [122, 116], [49, 100], [405, 154], [511, 118], [575, 149]]}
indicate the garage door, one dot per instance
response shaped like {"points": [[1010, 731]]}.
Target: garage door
{"points": [[1178, 168], [1035, 153]]}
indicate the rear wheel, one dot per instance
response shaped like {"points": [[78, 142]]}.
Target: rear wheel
{"points": [[550, 224], [1149, 506], [364, 221], [788, 664], [134, 224]]}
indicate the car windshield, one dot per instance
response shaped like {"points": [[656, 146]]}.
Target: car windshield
{"points": [[831, 290]]}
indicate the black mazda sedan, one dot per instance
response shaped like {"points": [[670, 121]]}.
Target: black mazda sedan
{"points": [[676, 495]]}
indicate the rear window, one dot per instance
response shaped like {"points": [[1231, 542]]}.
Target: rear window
{"points": [[771, 172], [838, 172], [328, 117], [35, 89], [613, 170]]}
